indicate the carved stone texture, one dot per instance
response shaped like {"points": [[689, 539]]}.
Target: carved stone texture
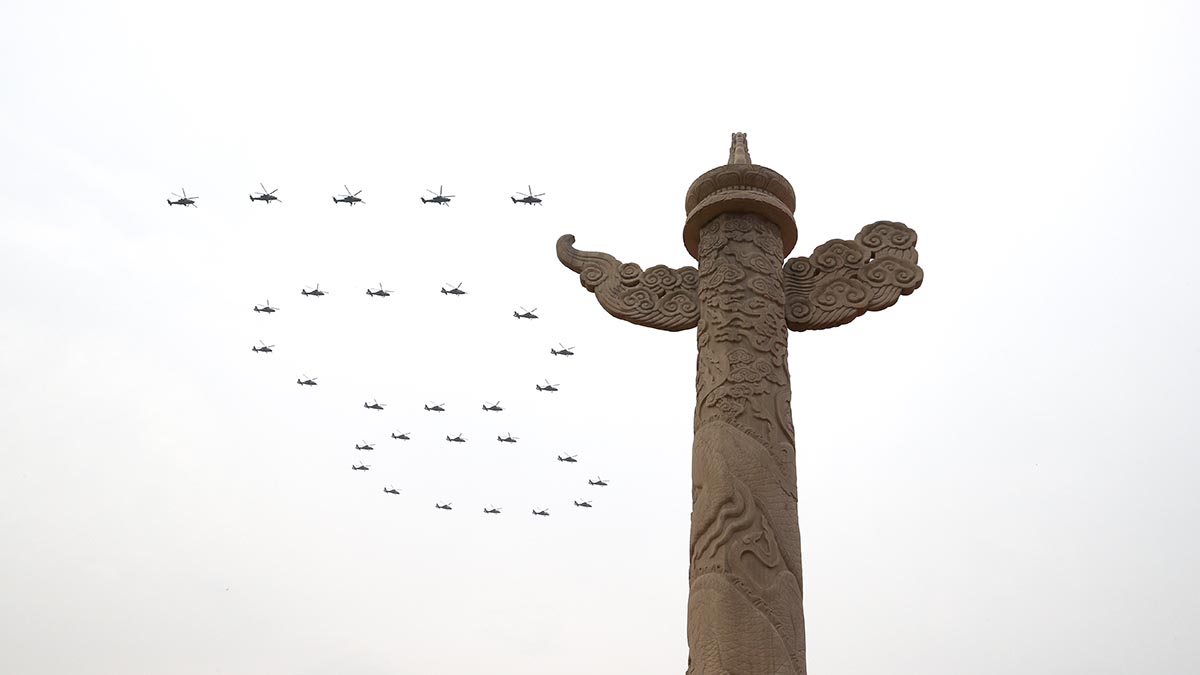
{"points": [[659, 297], [745, 609], [842, 280], [739, 186]]}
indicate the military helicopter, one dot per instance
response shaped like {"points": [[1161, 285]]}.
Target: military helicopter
{"points": [[307, 381], [508, 438], [528, 198], [348, 198], [444, 507], [494, 407], [185, 200], [548, 387], [265, 196], [379, 293], [361, 467], [265, 349], [438, 197], [543, 512], [599, 481], [527, 315], [565, 351], [391, 490], [491, 509], [376, 405], [457, 439], [365, 446], [315, 292], [266, 309], [453, 291], [437, 407], [401, 437], [568, 458], [586, 505]]}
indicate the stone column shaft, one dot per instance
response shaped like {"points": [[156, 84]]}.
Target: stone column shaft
{"points": [[745, 612]]}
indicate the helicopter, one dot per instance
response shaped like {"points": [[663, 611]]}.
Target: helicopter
{"points": [[375, 405], [315, 292], [348, 198], [391, 490], [494, 407], [548, 387], [437, 407], [565, 351], [527, 315], [265, 196], [599, 481], [568, 458], [457, 439], [444, 507], [401, 437], [379, 293], [528, 198], [438, 198], [543, 512], [361, 467], [185, 200], [491, 509], [307, 381], [586, 505], [266, 309], [365, 446], [454, 291], [508, 438], [265, 349]]}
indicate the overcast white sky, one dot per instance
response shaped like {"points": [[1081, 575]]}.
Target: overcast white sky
{"points": [[998, 474]]}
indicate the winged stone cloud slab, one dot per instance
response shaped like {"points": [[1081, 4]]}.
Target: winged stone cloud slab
{"points": [[659, 297], [842, 280]]}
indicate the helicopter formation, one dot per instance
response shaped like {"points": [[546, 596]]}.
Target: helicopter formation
{"points": [[456, 289], [352, 197]]}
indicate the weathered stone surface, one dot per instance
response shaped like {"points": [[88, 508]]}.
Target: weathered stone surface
{"points": [[746, 602], [660, 297]]}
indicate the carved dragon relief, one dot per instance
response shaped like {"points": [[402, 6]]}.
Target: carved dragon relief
{"points": [[842, 280], [659, 297]]}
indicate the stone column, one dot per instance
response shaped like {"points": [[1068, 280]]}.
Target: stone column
{"points": [[745, 610]]}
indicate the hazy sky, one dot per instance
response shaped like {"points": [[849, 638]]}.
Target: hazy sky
{"points": [[997, 475]]}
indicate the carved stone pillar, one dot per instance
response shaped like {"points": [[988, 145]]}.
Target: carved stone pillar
{"points": [[745, 608]]}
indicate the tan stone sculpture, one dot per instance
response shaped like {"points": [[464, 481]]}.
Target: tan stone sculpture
{"points": [[745, 609]]}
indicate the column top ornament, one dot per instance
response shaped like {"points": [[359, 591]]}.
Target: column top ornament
{"points": [[742, 186]]}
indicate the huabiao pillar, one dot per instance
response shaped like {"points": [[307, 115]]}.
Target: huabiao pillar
{"points": [[746, 601]]}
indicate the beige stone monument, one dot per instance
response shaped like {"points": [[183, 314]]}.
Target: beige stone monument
{"points": [[745, 608]]}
